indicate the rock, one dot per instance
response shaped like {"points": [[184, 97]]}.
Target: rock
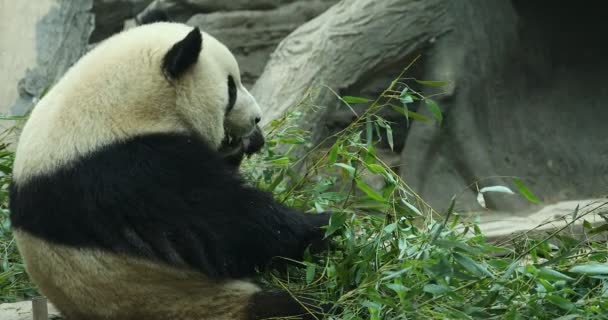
{"points": [[525, 103], [110, 16], [497, 226], [17, 44], [25, 41], [59, 39], [253, 35], [23, 311], [181, 10]]}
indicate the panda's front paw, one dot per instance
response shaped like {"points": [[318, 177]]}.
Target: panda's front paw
{"points": [[321, 219], [318, 242]]}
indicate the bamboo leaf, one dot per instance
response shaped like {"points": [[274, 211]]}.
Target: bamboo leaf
{"points": [[368, 190], [353, 99], [432, 83], [434, 108], [521, 187]]}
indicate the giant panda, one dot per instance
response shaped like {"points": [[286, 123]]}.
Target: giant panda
{"points": [[123, 203]]}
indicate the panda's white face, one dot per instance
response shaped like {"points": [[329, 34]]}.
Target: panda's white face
{"points": [[214, 81], [242, 112]]}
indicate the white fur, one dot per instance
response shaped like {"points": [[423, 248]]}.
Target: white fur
{"points": [[118, 91], [105, 286]]}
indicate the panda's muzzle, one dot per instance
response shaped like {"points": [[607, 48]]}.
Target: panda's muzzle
{"points": [[233, 150], [253, 142]]}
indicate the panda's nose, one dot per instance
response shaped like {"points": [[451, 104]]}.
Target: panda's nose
{"points": [[257, 120]]}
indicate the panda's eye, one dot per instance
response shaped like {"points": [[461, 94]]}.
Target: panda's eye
{"points": [[231, 94]]}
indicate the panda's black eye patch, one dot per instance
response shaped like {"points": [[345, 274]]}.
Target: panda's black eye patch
{"points": [[231, 94]]}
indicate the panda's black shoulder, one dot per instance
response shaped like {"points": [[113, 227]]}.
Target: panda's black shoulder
{"points": [[168, 197]]}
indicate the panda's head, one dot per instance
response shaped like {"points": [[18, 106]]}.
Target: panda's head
{"points": [[157, 78], [206, 76]]}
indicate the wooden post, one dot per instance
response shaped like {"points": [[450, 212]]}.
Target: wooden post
{"points": [[40, 308]]}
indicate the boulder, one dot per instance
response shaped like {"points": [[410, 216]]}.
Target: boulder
{"points": [[23, 311], [60, 37], [252, 35], [110, 16]]}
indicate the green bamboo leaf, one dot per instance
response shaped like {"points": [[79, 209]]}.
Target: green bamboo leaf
{"points": [[390, 228], [411, 207], [570, 317], [432, 83], [333, 153], [389, 136], [337, 220], [599, 229], [561, 302], [405, 97], [471, 265], [590, 269], [397, 287], [394, 274], [434, 108], [310, 272], [451, 244], [409, 114], [369, 131], [346, 167], [553, 275], [435, 289], [375, 168], [353, 99], [510, 270], [5, 169], [525, 191], [417, 116], [281, 160], [368, 190]]}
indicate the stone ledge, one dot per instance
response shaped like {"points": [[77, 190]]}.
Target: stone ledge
{"points": [[498, 226], [23, 311]]}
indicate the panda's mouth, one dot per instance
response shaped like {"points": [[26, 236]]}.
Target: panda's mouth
{"points": [[248, 144], [234, 149]]}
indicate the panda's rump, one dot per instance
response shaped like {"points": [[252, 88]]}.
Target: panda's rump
{"points": [[93, 284]]}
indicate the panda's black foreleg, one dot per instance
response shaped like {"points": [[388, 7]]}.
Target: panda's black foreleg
{"points": [[316, 236], [311, 231], [279, 303]]}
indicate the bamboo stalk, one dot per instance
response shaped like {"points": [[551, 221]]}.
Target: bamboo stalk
{"points": [[40, 308]]}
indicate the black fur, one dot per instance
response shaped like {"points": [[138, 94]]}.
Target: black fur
{"points": [[169, 198], [277, 303], [231, 94], [183, 54]]}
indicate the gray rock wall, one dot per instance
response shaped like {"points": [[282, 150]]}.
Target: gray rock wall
{"points": [[252, 35], [40, 41]]}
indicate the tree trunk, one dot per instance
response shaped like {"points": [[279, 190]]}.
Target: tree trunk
{"points": [[342, 46], [524, 98], [526, 104]]}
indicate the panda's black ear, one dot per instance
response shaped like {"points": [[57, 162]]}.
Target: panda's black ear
{"points": [[183, 54]]}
